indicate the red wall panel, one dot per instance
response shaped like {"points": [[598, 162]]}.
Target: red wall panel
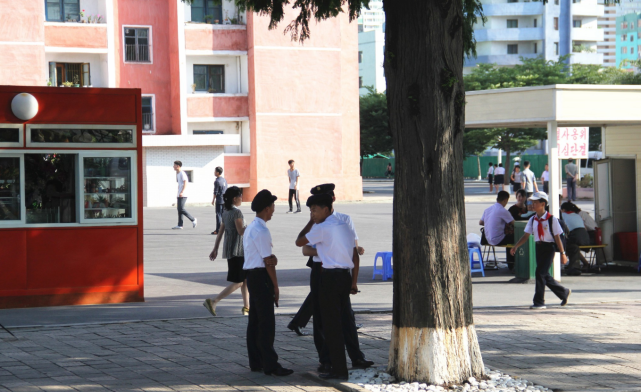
{"points": [[14, 260]]}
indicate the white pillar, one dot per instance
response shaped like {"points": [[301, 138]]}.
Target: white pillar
{"points": [[111, 45], [554, 185], [182, 66], [498, 158]]}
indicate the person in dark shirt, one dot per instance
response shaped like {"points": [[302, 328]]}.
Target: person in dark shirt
{"points": [[520, 207]]}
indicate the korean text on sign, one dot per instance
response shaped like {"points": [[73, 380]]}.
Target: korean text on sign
{"points": [[573, 142]]}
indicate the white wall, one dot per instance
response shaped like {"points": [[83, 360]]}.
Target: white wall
{"points": [[231, 72], [97, 64], [228, 127], [245, 140], [94, 7], [160, 177]]}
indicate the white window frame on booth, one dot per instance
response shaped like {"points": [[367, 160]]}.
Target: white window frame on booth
{"points": [[88, 146], [23, 209], [20, 142]]}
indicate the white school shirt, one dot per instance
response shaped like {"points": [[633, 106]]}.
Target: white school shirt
{"points": [[293, 175], [257, 244], [495, 218], [348, 221], [588, 221], [532, 227], [182, 178], [334, 242], [490, 171], [545, 176], [499, 171]]}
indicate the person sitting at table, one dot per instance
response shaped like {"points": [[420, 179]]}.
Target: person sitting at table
{"points": [[578, 237], [519, 208], [499, 225], [591, 226]]}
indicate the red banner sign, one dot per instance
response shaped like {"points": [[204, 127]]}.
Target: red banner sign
{"points": [[573, 142]]}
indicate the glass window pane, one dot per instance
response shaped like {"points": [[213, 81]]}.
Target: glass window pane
{"points": [[130, 32], [50, 188], [9, 135], [146, 103], [53, 10], [107, 188], [9, 189], [142, 33], [197, 14], [200, 77], [72, 9], [217, 12], [44, 135]]}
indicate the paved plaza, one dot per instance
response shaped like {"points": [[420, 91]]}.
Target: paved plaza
{"points": [[169, 342]]}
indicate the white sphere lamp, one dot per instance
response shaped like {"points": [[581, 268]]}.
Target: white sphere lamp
{"points": [[24, 106]]}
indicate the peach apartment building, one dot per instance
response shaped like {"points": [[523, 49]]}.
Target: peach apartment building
{"points": [[219, 88]]}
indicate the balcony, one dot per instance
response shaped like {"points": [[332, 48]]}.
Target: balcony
{"points": [[190, 140], [513, 9], [584, 34], [217, 107], [75, 37], [499, 59], [586, 58], [587, 9], [207, 37], [515, 34]]}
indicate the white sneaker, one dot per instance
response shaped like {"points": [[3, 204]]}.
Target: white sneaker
{"points": [[538, 307], [177, 228], [195, 222]]}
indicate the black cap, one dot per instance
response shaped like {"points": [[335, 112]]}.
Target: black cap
{"points": [[321, 199], [262, 200], [323, 188]]}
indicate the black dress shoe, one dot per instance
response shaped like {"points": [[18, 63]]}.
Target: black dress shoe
{"points": [[256, 369], [359, 326], [362, 363], [333, 376], [281, 371], [324, 368], [296, 329]]}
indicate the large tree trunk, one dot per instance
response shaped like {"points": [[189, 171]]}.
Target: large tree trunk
{"points": [[433, 335]]}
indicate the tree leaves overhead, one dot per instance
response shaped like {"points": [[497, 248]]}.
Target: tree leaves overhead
{"points": [[374, 119]]}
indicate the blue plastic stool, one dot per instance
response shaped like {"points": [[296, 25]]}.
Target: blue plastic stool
{"points": [[386, 270], [473, 260]]}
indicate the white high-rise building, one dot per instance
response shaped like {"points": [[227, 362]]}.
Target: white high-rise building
{"points": [[608, 24], [372, 18], [524, 28]]}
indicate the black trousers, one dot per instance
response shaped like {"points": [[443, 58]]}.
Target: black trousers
{"points": [[544, 260], [509, 259], [578, 237], [261, 326], [220, 208], [294, 193], [335, 285], [180, 204]]}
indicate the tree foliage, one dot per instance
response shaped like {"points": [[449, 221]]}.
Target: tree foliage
{"points": [[374, 119], [476, 141]]}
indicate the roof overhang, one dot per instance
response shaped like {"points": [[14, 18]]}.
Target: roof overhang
{"points": [[567, 104]]}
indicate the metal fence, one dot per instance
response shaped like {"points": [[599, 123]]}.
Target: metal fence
{"points": [[148, 121], [137, 53]]}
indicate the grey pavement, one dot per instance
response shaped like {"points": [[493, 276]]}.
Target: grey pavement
{"points": [[575, 348], [179, 275]]}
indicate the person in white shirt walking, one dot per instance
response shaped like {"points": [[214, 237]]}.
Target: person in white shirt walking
{"points": [[571, 177], [545, 179], [490, 177], [260, 265], [528, 180], [499, 177], [335, 244], [292, 176], [183, 180], [547, 232]]}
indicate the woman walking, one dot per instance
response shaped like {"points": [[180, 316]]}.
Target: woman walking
{"points": [[547, 231], [233, 225]]}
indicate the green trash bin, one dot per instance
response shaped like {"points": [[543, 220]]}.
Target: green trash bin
{"points": [[525, 257]]}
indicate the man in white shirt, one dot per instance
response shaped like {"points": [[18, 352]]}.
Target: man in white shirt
{"points": [[571, 176], [183, 180], [490, 177], [311, 306], [528, 180], [495, 219], [262, 284], [292, 176], [335, 244], [545, 179]]}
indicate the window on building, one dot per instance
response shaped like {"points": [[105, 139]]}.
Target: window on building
{"points": [[556, 48], [631, 25], [639, 35], [210, 78], [536, 47], [190, 175], [624, 25], [360, 82], [10, 188], [50, 188], [556, 2], [556, 23], [535, 22], [208, 132], [203, 10], [148, 113], [624, 50], [75, 73], [576, 1], [624, 37], [360, 56], [631, 50], [512, 23], [513, 49], [576, 23], [512, 1], [62, 10], [137, 45]]}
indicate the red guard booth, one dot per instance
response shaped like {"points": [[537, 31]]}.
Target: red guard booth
{"points": [[70, 196]]}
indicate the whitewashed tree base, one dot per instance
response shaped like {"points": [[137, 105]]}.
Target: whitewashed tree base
{"points": [[435, 356]]}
